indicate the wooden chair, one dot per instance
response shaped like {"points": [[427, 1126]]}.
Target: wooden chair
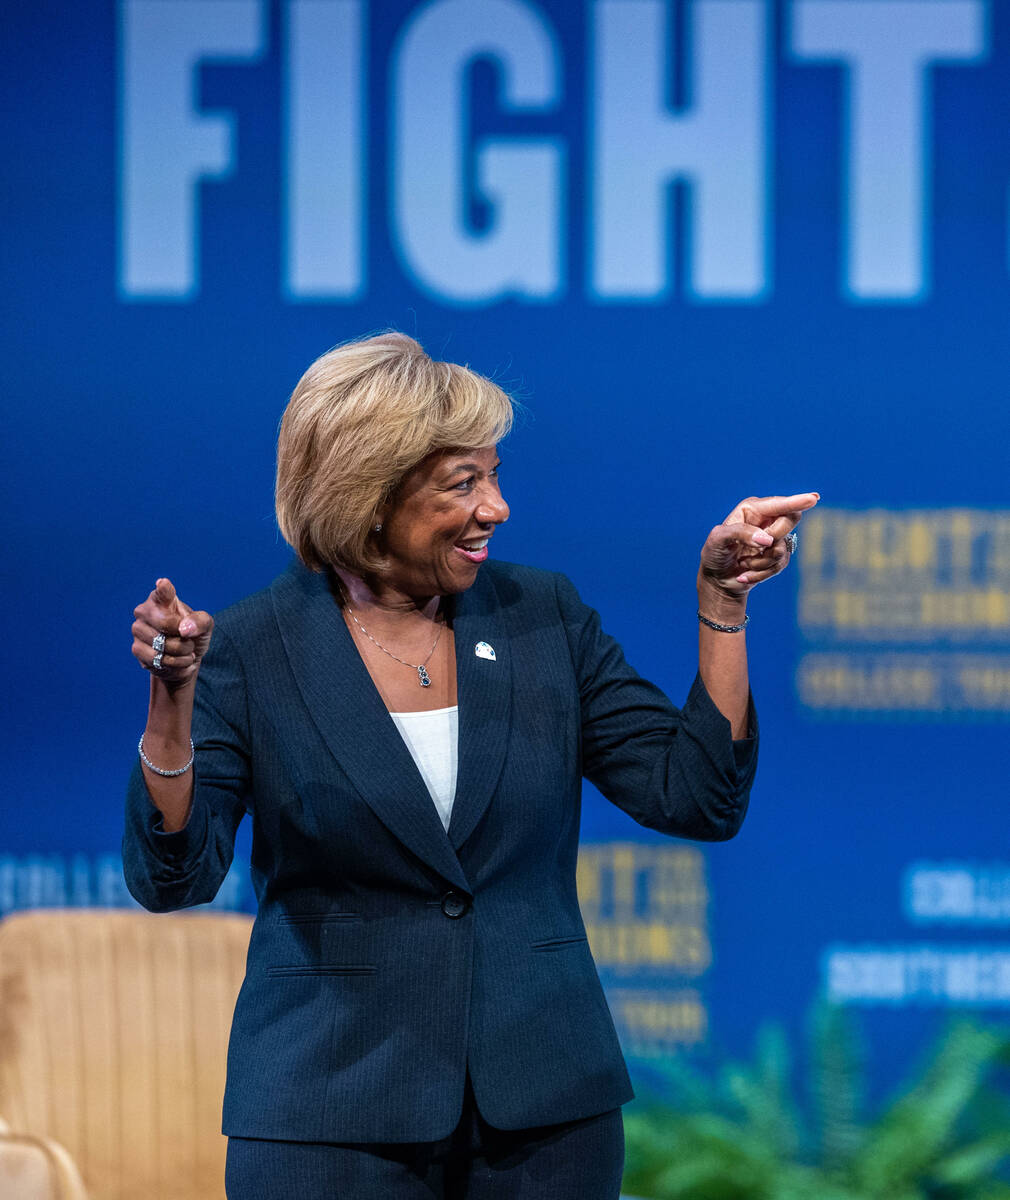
{"points": [[113, 1032]]}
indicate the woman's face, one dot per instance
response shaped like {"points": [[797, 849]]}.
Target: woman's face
{"points": [[436, 528]]}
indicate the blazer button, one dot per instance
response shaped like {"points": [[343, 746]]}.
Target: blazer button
{"points": [[454, 905]]}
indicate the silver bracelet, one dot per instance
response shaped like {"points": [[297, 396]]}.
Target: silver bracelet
{"points": [[159, 770], [724, 628]]}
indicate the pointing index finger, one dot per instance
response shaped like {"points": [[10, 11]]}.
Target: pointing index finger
{"points": [[778, 506]]}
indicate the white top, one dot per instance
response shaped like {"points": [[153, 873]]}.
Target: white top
{"points": [[431, 738]]}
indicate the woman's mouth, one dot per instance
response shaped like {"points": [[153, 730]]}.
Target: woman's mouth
{"points": [[475, 550]]}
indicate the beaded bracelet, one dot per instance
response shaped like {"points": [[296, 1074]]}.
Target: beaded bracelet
{"points": [[160, 770], [724, 628]]}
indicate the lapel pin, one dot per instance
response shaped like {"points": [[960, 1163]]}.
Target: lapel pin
{"points": [[485, 650]]}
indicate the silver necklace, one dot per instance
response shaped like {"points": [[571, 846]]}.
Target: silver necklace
{"points": [[423, 678]]}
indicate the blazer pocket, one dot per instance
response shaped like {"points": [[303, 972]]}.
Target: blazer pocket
{"points": [[322, 918], [558, 943], [350, 969]]}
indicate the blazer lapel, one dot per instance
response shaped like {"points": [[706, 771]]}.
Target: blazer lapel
{"points": [[352, 719], [484, 687]]}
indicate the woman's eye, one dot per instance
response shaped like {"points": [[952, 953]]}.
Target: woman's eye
{"points": [[465, 485]]}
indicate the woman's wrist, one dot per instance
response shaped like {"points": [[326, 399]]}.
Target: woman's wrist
{"points": [[174, 691], [726, 608], [169, 719]]}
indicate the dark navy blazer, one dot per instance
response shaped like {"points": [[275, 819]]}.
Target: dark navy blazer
{"points": [[389, 957]]}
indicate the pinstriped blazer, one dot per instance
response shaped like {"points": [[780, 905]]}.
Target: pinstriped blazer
{"points": [[389, 956]]}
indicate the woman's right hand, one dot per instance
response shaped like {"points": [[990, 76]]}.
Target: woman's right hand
{"points": [[186, 633]]}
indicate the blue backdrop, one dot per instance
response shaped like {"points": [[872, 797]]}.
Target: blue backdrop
{"points": [[717, 248]]}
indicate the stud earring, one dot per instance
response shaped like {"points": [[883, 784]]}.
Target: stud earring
{"points": [[378, 528]]}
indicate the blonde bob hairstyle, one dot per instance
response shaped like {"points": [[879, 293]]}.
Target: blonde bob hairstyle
{"points": [[360, 418]]}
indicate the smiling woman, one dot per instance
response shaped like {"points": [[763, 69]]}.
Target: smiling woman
{"points": [[408, 725], [437, 526], [363, 417], [434, 533]]}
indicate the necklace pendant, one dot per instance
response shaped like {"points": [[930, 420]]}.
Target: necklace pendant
{"points": [[423, 678]]}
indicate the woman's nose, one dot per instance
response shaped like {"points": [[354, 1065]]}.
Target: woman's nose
{"points": [[492, 509]]}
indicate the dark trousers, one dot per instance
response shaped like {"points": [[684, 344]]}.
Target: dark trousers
{"points": [[581, 1160]]}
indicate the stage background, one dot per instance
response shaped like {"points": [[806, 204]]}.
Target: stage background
{"points": [[717, 248]]}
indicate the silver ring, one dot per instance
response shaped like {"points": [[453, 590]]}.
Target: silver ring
{"points": [[792, 540], [156, 665], [159, 643]]}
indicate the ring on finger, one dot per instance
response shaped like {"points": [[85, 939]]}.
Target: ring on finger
{"points": [[159, 643], [792, 540], [156, 664]]}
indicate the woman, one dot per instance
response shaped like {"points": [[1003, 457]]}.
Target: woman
{"points": [[408, 725]]}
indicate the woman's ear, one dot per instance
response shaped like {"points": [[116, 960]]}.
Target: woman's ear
{"points": [[379, 520]]}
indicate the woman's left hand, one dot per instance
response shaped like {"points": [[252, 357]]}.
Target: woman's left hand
{"points": [[750, 545]]}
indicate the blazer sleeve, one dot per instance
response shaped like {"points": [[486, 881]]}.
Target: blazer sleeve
{"points": [[166, 871], [675, 770]]}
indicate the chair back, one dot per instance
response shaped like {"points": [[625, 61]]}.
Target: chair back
{"points": [[113, 1035]]}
